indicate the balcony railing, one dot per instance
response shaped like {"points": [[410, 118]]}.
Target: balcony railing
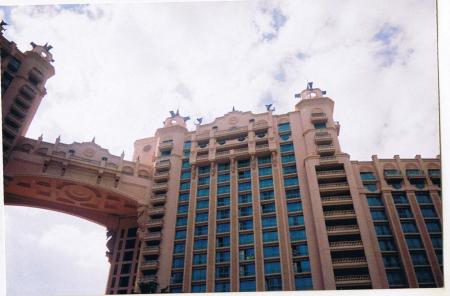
{"points": [[323, 137], [150, 250], [166, 145], [342, 228], [161, 175], [352, 278], [152, 236], [345, 244], [147, 278], [336, 199], [163, 164], [328, 159], [261, 146], [415, 174], [154, 223], [202, 156], [159, 186], [331, 186], [392, 174], [339, 213], [156, 210], [318, 117], [345, 261], [149, 264], [158, 199]]}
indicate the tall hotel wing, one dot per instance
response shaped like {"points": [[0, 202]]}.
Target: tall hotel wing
{"points": [[248, 202]]}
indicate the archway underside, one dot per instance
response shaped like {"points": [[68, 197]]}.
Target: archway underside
{"points": [[82, 200]]}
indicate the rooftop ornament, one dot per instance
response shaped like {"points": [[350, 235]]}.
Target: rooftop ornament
{"points": [[2, 28], [199, 120], [269, 107], [43, 51]]}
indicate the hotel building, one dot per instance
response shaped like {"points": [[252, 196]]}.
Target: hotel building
{"points": [[247, 202]]}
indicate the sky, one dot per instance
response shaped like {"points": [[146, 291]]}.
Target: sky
{"points": [[121, 68]]}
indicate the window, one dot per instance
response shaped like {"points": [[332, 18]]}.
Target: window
{"points": [[287, 147], [202, 192], [244, 186], [371, 187], [266, 171], [428, 212], [6, 81], [185, 186], [204, 169], [185, 164], [123, 281], [268, 208], [223, 227], [223, 201], [223, 214], [178, 262], [423, 198], [244, 175], [180, 234], [200, 244], [387, 245], [424, 275], [202, 204], [183, 197], [285, 137], [300, 250], [395, 277], [181, 221], [287, 158], [247, 285], [297, 235], [418, 183], [198, 274], [201, 217], [177, 278], [183, 209], [271, 251], [419, 258], [436, 241], [246, 254], [290, 181], [185, 175], [243, 163], [14, 64], [222, 287], [223, 166], [245, 238], [409, 227], [264, 159], [433, 226], [265, 183], [199, 259], [269, 222], [223, 241], [274, 284], [289, 169], [270, 236], [391, 261], [267, 195], [283, 127], [378, 215], [272, 267], [223, 189], [223, 178], [414, 242], [201, 230], [187, 144], [374, 200], [294, 207], [178, 248], [367, 176], [404, 212], [166, 152], [245, 198], [245, 211], [303, 283], [203, 180], [320, 125], [222, 272], [292, 193], [246, 225], [247, 270], [302, 266], [399, 198], [382, 229], [296, 220], [413, 172], [223, 256]]}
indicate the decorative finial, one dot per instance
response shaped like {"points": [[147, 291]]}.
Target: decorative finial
{"points": [[58, 139], [199, 120], [93, 140], [233, 109], [41, 137], [310, 85], [186, 118], [172, 114], [1, 26], [33, 44], [324, 92], [123, 154], [47, 47], [178, 113]]}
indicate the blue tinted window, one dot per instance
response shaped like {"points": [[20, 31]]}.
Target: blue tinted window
{"points": [[185, 186], [245, 197], [371, 187], [180, 234], [203, 180], [283, 127], [178, 248], [222, 272], [378, 215], [199, 259], [244, 186], [247, 270], [289, 169], [399, 198], [270, 236], [382, 229], [186, 175], [203, 192], [367, 176], [246, 238], [223, 241], [201, 230], [296, 220], [272, 267], [266, 195], [300, 250], [302, 266], [287, 147], [274, 284], [202, 204], [290, 181], [223, 166], [433, 226], [201, 217], [404, 212], [223, 214], [374, 200], [183, 197], [223, 256], [200, 244], [183, 208], [245, 211], [271, 251], [303, 283], [287, 158], [292, 193], [265, 183], [294, 206], [387, 245], [181, 221], [198, 274], [428, 212], [247, 285], [409, 227], [204, 169], [268, 208], [223, 227], [223, 178], [269, 222], [178, 262], [266, 171], [244, 174], [222, 287], [245, 225], [320, 125], [298, 235], [264, 159], [223, 189], [223, 201]]}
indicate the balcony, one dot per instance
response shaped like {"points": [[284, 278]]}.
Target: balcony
{"points": [[318, 117], [337, 200], [28, 92], [166, 145], [264, 146], [343, 229], [392, 174], [163, 165], [349, 262], [35, 76], [346, 245], [325, 149], [22, 103], [323, 138], [158, 199], [331, 187], [322, 175], [341, 214], [202, 156], [147, 279], [160, 186], [149, 265], [161, 176], [415, 174], [152, 236], [150, 250], [324, 160], [157, 211], [154, 223], [240, 151], [352, 279]]}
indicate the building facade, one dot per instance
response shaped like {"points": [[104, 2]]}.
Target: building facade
{"points": [[248, 202]]}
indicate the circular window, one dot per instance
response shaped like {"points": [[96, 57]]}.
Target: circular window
{"points": [[221, 142], [241, 139], [261, 135], [147, 148], [285, 137]]}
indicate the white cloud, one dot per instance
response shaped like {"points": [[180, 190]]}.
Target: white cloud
{"points": [[121, 68]]}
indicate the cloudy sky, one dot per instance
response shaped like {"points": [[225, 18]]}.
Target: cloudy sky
{"points": [[121, 68]]}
